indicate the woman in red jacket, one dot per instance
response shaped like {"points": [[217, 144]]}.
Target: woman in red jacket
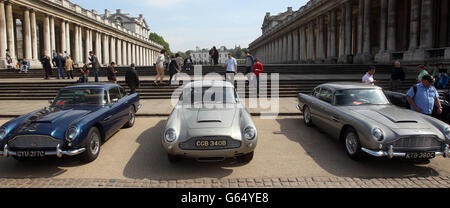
{"points": [[258, 69]]}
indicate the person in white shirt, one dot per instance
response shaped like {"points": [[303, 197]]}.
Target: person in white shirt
{"points": [[160, 66], [231, 68], [368, 78]]}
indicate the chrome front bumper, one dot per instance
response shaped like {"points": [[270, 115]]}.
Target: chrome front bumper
{"points": [[58, 152], [391, 153]]}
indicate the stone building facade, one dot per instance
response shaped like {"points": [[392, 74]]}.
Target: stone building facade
{"points": [[200, 56], [31, 28], [358, 31]]}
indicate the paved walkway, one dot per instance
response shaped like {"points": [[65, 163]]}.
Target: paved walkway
{"points": [[298, 182]]}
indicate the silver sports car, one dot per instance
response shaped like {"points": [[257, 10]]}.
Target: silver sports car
{"points": [[209, 123], [365, 121]]}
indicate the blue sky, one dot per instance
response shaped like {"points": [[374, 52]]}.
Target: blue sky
{"points": [[186, 24]]}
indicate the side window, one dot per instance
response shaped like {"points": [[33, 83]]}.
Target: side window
{"points": [[326, 95], [114, 93], [316, 92], [122, 92]]}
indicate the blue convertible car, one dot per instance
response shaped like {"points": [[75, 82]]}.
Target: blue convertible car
{"points": [[76, 123]]}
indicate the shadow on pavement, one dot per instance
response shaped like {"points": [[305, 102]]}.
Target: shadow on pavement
{"points": [[150, 161], [330, 155]]}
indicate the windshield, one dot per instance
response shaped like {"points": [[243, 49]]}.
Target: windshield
{"points": [[360, 97], [216, 95], [80, 97]]}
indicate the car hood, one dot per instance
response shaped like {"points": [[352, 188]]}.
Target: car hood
{"points": [[219, 117], [392, 116], [53, 119]]}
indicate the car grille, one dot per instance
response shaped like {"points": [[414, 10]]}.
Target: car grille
{"points": [[34, 142], [418, 142], [190, 144]]}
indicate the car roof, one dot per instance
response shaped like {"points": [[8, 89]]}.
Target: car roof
{"points": [[348, 86], [209, 83], [96, 85]]}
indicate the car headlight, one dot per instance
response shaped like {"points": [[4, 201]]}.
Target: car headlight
{"points": [[378, 134], [249, 133], [71, 134], [3, 133], [170, 135], [447, 132]]}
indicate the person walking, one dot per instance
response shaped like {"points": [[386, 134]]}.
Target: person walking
{"points": [[111, 73], [180, 62], [422, 72], [231, 68], [442, 79], [45, 61], [160, 67], [215, 56], [69, 67], [132, 79], [249, 63], [173, 68], [188, 63], [397, 76], [60, 64], [423, 97], [95, 64], [258, 69], [368, 78]]}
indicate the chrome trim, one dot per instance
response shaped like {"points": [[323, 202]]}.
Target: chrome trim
{"points": [[59, 152], [139, 106], [298, 107], [391, 154]]}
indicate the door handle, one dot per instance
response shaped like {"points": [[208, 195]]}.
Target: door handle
{"points": [[107, 118], [335, 119]]}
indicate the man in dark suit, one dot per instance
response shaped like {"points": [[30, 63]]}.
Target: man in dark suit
{"points": [[132, 79], [47, 66], [95, 64]]}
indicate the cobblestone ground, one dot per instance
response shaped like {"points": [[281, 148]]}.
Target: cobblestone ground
{"points": [[299, 182]]}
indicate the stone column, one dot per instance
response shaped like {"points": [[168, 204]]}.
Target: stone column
{"points": [[34, 43], [112, 49], [80, 46], [415, 25], [360, 26], [68, 44], [296, 49], [52, 36], [27, 35], [3, 36], [386, 20], [310, 57], [47, 44], [87, 44], [289, 48], [392, 26], [130, 54], [10, 31], [106, 49], [426, 34], [76, 56], [98, 47], [124, 53], [383, 20], [343, 35], [319, 41], [348, 33], [332, 53], [119, 52], [365, 54], [443, 26], [63, 36]]}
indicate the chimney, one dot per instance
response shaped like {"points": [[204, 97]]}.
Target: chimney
{"points": [[267, 14], [141, 16], [118, 11], [289, 9], [107, 13]]}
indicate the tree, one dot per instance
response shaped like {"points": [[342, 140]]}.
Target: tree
{"points": [[160, 40]]}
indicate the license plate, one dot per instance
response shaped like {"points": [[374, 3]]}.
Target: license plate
{"points": [[204, 143], [31, 154], [420, 155]]}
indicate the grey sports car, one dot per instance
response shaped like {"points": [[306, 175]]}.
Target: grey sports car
{"points": [[365, 121], [209, 123]]}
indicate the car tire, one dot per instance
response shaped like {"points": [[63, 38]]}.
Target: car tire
{"points": [[247, 158], [307, 118], [173, 158], [132, 118], [92, 145], [352, 144]]}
